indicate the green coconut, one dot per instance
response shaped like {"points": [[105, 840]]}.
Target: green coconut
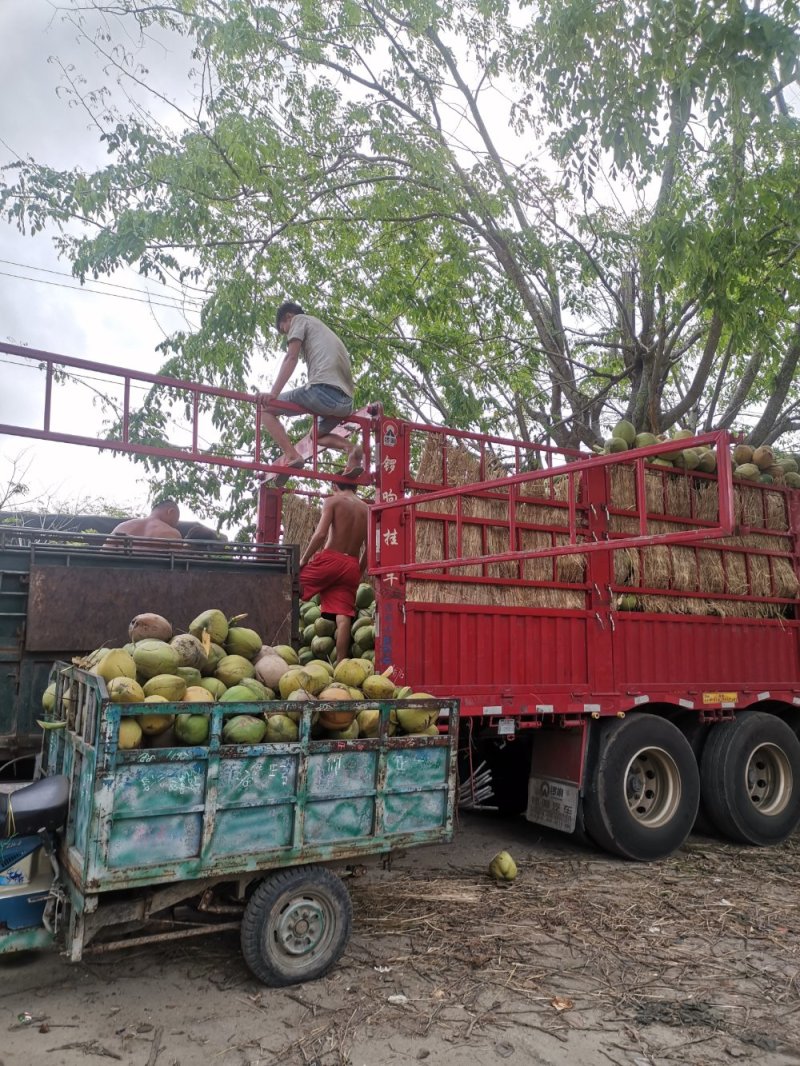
{"points": [[262, 691], [365, 595], [792, 479], [324, 627], [196, 694], [626, 431], [325, 664], [124, 690], [502, 867], [311, 614], [352, 672], [682, 434], [170, 686], [130, 734], [49, 698], [213, 685], [314, 678], [243, 641], [190, 674], [190, 651], [288, 654], [788, 464], [233, 668], [369, 721], [212, 622], [115, 663], [615, 444], [238, 694], [688, 459], [742, 454], [216, 653], [747, 472], [322, 645], [707, 462], [280, 729], [154, 657], [291, 681], [192, 728], [153, 724], [244, 729], [378, 687], [645, 440]]}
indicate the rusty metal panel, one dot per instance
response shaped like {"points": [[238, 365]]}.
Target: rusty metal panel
{"points": [[80, 608]]}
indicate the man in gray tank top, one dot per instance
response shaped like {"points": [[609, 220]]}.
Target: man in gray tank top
{"points": [[328, 393]]}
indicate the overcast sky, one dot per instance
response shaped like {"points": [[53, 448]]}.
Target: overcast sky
{"points": [[41, 305]]}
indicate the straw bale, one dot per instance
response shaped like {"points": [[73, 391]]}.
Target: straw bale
{"points": [[678, 493], [494, 595], [694, 605], [735, 574], [775, 504], [760, 575], [785, 579], [300, 517], [685, 570], [622, 487], [656, 567], [749, 508], [712, 574]]}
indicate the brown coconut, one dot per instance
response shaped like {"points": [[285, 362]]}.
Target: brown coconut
{"points": [[763, 458], [149, 627]]}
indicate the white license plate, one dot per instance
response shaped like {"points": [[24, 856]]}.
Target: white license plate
{"points": [[552, 803]]}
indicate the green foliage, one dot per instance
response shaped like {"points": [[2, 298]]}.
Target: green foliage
{"points": [[526, 221]]}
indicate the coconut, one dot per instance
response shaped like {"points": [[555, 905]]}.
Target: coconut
{"points": [[322, 645], [299, 695], [153, 724], [707, 462], [124, 690], [763, 458], [311, 614], [682, 434], [324, 663], [192, 728], [238, 694], [627, 602], [195, 694], [747, 471], [289, 655], [244, 729], [378, 687], [415, 719], [280, 729], [291, 681], [212, 685], [233, 668], [190, 651], [688, 459], [87, 662], [115, 663], [155, 699], [216, 653], [170, 686], [270, 668], [308, 634], [149, 627], [792, 479], [615, 444], [49, 698], [190, 675], [787, 464], [626, 431], [331, 718], [305, 655], [645, 440], [352, 672], [324, 627], [742, 454], [365, 595], [212, 622], [502, 867], [403, 693], [261, 691], [154, 657], [348, 732], [242, 641], [369, 721], [130, 734], [366, 637]]}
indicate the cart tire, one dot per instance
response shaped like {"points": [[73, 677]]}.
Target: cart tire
{"points": [[296, 925], [750, 778], [643, 788]]}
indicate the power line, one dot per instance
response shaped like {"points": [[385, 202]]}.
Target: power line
{"points": [[99, 281], [175, 306]]}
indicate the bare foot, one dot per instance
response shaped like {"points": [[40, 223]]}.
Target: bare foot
{"points": [[294, 461], [355, 462]]}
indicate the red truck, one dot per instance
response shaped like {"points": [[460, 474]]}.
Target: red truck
{"points": [[622, 633]]}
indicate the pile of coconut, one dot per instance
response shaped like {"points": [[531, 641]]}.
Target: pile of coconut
{"points": [[220, 660]]}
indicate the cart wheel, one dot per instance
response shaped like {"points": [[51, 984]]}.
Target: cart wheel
{"points": [[642, 795], [750, 776], [296, 925]]}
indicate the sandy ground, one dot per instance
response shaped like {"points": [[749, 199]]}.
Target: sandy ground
{"points": [[583, 960]]}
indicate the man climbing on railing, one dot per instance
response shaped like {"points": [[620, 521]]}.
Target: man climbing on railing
{"points": [[328, 393]]}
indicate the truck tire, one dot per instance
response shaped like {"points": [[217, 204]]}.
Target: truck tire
{"points": [[696, 733], [750, 778], [296, 925], [643, 789]]}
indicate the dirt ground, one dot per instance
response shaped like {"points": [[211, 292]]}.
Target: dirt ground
{"points": [[582, 960]]}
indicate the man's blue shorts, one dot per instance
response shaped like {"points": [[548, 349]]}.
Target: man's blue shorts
{"points": [[325, 400]]}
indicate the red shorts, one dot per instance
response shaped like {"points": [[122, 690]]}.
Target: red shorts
{"points": [[334, 575]]}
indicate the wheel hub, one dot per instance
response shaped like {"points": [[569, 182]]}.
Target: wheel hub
{"points": [[652, 787], [769, 779], [300, 927]]}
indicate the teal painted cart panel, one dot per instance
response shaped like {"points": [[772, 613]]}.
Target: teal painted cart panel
{"points": [[156, 815]]}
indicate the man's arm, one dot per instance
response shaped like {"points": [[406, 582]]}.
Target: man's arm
{"points": [[287, 368], [319, 536]]}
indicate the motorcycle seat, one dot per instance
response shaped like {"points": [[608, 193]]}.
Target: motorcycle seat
{"points": [[41, 806]]}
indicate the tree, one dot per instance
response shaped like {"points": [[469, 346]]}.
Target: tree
{"points": [[529, 222]]}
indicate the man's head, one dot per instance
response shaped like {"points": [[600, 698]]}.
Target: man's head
{"points": [[285, 314], [344, 485], [167, 511]]}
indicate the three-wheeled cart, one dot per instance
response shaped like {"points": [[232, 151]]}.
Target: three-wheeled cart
{"points": [[161, 843]]}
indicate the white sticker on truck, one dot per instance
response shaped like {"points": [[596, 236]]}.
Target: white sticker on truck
{"points": [[553, 803]]}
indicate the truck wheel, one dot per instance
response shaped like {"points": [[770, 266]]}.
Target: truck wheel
{"points": [[696, 733], [296, 925], [750, 776], [642, 794]]}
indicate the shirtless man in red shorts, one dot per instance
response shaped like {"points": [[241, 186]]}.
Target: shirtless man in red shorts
{"points": [[336, 570]]}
